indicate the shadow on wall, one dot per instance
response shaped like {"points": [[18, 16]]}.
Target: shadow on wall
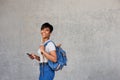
{"points": [[104, 75]]}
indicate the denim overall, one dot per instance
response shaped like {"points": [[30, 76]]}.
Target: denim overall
{"points": [[46, 73]]}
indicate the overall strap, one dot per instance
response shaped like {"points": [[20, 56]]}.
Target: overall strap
{"points": [[43, 63]]}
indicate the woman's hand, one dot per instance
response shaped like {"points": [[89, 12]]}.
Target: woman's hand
{"points": [[42, 48], [33, 55]]}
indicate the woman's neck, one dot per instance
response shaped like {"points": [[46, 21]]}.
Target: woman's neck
{"points": [[44, 39]]}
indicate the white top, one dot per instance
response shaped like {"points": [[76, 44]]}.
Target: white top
{"points": [[49, 47]]}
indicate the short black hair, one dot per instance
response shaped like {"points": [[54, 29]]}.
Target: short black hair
{"points": [[47, 25]]}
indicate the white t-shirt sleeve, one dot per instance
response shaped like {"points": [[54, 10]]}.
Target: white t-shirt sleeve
{"points": [[51, 46]]}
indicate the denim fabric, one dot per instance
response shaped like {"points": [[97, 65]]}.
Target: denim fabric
{"points": [[46, 73]]}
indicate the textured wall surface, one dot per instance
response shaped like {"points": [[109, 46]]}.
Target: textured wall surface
{"points": [[89, 31]]}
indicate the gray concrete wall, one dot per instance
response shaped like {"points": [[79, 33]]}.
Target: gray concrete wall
{"points": [[89, 31]]}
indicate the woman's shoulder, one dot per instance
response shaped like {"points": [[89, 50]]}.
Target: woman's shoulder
{"points": [[51, 46], [51, 43]]}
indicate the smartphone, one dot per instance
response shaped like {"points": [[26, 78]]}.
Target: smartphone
{"points": [[28, 54]]}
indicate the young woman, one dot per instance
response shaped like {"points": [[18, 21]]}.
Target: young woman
{"points": [[46, 53]]}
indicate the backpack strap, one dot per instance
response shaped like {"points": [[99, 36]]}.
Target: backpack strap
{"points": [[47, 43]]}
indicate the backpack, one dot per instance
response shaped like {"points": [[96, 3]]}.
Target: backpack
{"points": [[61, 58]]}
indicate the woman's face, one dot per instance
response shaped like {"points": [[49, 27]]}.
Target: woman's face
{"points": [[45, 33]]}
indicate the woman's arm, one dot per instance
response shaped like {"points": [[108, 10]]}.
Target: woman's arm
{"points": [[35, 56], [51, 56]]}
